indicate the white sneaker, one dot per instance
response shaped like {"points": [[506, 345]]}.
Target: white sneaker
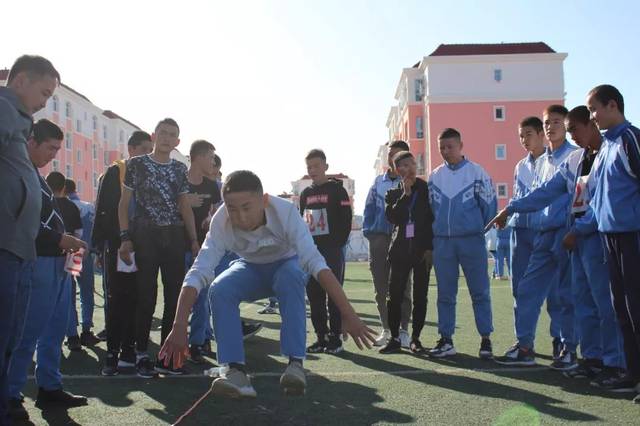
{"points": [[233, 384], [383, 338], [293, 381], [405, 339]]}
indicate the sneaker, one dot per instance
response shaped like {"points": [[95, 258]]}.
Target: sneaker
{"points": [[73, 343], [59, 398], [102, 336], [416, 347], [405, 339], [144, 368], [557, 346], [206, 348], [443, 348], [127, 359], [486, 349], [586, 369], [566, 361], [233, 383], [334, 345], [293, 381], [268, 310], [170, 370], [615, 380], [110, 367], [195, 355], [383, 338], [516, 355], [87, 338], [17, 412], [250, 329], [319, 346], [393, 346], [636, 400]]}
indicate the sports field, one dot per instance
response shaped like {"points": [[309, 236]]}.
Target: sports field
{"points": [[355, 387]]}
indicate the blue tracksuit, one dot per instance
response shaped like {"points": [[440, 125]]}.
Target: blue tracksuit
{"points": [[374, 220], [548, 259], [503, 251], [463, 201]]}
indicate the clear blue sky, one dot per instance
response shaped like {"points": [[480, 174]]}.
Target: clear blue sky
{"points": [[268, 80]]}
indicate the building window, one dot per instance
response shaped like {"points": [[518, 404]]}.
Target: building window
{"points": [[121, 136], [68, 141], [419, 90], [56, 105], [501, 152], [79, 157], [79, 126], [497, 75], [94, 148], [79, 186], [69, 174], [498, 113], [502, 190], [420, 164], [95, 180], [95, 123], [419, 127], [67, 109], [106, 158], [55, 165], [104, 132]]}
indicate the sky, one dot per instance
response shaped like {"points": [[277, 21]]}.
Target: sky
{"points": [[266, 81]]}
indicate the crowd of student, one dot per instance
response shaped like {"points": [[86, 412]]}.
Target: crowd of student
{"points": [[569, 236]]}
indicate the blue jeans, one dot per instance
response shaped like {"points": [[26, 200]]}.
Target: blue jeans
{"points": [[244, 281], [470, 253], [14, 300], [86, 282], [45, 327]]}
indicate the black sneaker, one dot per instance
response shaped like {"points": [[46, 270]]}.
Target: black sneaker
{"points": [[416, 346], [444, 348], [110, 367], [206, 348], [144, 368], [102, 336], [170, 370], [587, 369], [319, 346], [393, 346], [636, 400], [17, 412], [250, 329], [87, 338], [59, 398], [615, 380], [73, 343], [334, 345], [516, 355], [195, 354], [486, 349], [127, 359], [566, 361], [556, 347]]}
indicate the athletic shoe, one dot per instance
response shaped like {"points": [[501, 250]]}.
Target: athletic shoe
{"points": [[59, 398], [486, 349], [557, 346], [195, 355], [383, 338], [127, 359], [17, 412], [206, 348], [615, 380], [517, 355], [636, 400], [87, 338], [233, 383], [566, 361], [319, 346], [405, 339], [293, 381], [393, 346], [444, 348], [170, 370], [144, 368], [416, 347], [268, 309], [250, 329], [586, 369], [102, 336], [334, 345], [110, 367], [73, 343]]}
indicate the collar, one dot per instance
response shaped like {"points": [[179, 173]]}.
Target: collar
{"points": [[615, 132], [457, 166], [10, 95], [386, 177], [73, 196], [557, 152]]}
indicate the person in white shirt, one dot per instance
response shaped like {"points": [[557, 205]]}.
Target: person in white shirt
{"points": [[276, 253]]}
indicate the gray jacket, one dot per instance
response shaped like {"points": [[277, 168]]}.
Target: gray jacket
{"points": [[20, 199]]}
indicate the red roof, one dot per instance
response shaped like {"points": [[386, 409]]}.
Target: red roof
{"points": [[491, 49], [111, 114]]}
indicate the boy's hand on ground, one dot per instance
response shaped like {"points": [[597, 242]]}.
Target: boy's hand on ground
{"points": [[500, 220], [358, 330], [569, 241], [175, 347]]}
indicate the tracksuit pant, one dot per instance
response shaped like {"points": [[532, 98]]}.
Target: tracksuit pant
{"points": [[121, 303], [623, 254], [400, 271], [503, 257], [45, 327], [200, 328], [380, 271], [470, 253], [85, 282], [600, 336], [318, 297], [548, 276], [247, 282]]}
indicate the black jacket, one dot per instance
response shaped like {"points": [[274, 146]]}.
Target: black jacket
{"points": [[327, 210], [51, 224], [106, 227], [397, 212]]}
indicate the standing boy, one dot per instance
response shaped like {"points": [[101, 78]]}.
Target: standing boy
{"points": [[326, 208], [463, 201]]}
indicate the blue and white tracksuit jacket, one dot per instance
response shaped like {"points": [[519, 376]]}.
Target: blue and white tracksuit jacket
{"points": [[374, 219]]}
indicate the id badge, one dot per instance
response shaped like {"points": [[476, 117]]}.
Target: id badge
{"points": [[410, 230]]}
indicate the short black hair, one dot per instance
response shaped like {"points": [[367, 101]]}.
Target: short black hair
{"points": [[200, 147], [449, 132], [533, 122], [169, 122], [138, 137], [579, 114], [399, 144], [34, 66], [606, 93], [401, 156], [45, 129], [56, 181], [316, 153], [556, 109], [69, 186], [242, 181], [218, 160]]}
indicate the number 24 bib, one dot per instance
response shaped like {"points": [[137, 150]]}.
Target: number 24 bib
{"points": [[317, 220]]}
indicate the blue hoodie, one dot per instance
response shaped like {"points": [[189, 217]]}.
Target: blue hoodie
{"points": [[463, 199], [374, 220], [616, 173], [524, 175]]}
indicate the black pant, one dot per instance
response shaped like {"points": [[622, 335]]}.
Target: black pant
{"points": [[623, 252], [120, 300], [157, 248], [318, 297], [400, 270]]}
